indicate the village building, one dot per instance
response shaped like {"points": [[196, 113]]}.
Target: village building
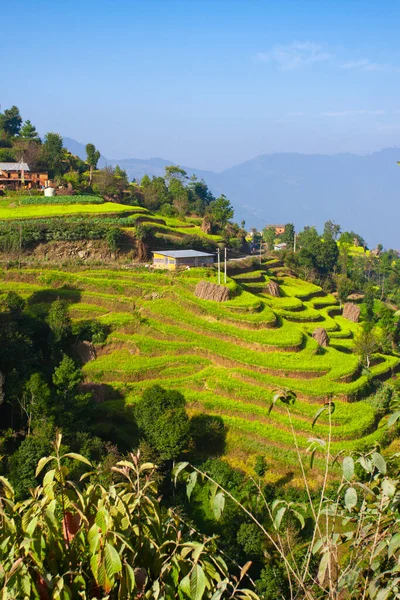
{"points": [[18, 175], [279, 229], [281, 246], [178, 259]]}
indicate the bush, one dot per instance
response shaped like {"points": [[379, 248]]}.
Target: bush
{"points": [[260, 466], [81, 199], [114, 237], [163, 422]]}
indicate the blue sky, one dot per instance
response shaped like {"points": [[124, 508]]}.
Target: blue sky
{"points": [[207, 83]]}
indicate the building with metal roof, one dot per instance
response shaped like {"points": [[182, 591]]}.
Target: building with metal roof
{"points": [[176, 259], [14, 166], [17, 175]]}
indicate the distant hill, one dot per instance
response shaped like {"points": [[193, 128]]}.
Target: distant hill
{"points": [[359, 192]]}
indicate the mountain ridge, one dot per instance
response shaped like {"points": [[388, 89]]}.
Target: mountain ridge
{"points": [[357, 191]]}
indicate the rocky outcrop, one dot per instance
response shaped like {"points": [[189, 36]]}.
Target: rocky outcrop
{"points": [[85, 350], [273, 289], [351, 312], [211, 291], [321, 336]]}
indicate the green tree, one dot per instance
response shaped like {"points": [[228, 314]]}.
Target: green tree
{"points": [[288, 235], [331, 230], [59, 321], [221, 211], [23, 465], [92, 158], [368, 305], [344, 288], [35, 400], [269, 237], [7, 155], [110, 183], [52, 153], [365, 344], [11, 121], [14, 303], [66, 377], [163, 422], [28, 132], [174, 172]]}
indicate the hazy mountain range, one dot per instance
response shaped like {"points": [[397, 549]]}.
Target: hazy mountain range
{"points": [[360, 192]]}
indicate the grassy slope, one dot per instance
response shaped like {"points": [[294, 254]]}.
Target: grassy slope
{"points": [[26, 207], [226, 358]]}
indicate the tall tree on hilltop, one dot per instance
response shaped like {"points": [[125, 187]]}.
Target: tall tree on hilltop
{"points": [[28, 132], [92, 158], [269, 237], [332, 230], [174, 172], [52, 152], [221, 211], [11, 121], [288, 235]]}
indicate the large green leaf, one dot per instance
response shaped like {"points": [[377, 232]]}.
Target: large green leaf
{"points": [[191, 483], [101, 519], [218, 504], [394, 544], [197, 583], [350, 498], [78, 457], [323, 567], [112, 560], [348, 467], [379, 462], [42, 463], [177, 469]]}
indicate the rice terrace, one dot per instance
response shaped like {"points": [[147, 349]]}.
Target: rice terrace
{"points": [[199, 392], [227, 358]]}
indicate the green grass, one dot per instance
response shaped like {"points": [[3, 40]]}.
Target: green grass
{"points": [[45, 200], [227, 358], [60, 210]]}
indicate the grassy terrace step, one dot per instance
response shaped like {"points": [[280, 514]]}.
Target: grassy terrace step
{"points": [[60, 210], [227, 358]]}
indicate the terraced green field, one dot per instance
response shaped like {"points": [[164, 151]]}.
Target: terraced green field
{"points": [[227, 358], [165, 229]]}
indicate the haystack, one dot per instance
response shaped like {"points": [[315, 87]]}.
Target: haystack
{"points": [[211, 291], [351, 312], [273, 289], [321, 336]]}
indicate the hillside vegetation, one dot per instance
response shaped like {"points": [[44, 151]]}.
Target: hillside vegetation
{"points": [[227, 358]]}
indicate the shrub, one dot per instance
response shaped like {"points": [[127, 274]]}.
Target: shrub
{"points": [[162, 420]]}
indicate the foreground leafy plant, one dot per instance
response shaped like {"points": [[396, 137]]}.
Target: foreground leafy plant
{"points": [[69, 540], [353, 541]]}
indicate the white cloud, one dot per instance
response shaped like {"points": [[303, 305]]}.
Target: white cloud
{"points": [[294, 55], [368, 65], [352, 113]]}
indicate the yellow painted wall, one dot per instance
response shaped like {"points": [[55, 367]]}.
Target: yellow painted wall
{"points": [[170, 265]]}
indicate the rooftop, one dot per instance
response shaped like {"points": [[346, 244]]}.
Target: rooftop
{"points": [[17, 166], [182, 253]]}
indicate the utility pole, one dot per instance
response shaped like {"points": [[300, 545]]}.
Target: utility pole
{"points": [[225, 267], [294, 242], [260, 250], [219, 267]]}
